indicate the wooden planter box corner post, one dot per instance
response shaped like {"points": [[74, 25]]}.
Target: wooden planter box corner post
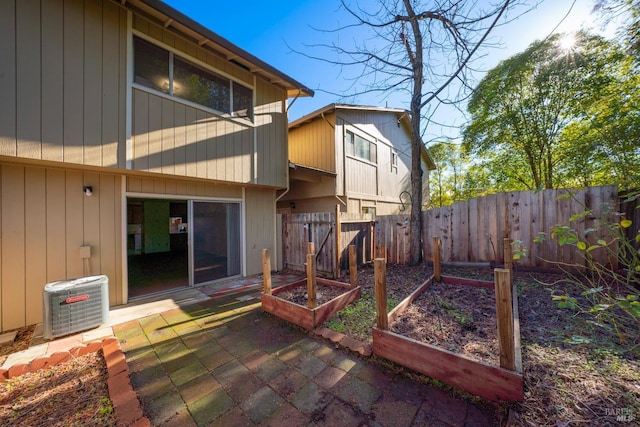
{"points": [[504, 311], [311, 281], [436, 259], [266, 271], [380, 275], [353, 266]]}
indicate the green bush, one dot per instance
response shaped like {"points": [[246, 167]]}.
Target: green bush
{"points": [[611, 289]]}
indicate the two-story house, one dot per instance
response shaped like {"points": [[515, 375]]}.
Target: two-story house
{"points": [[135, 143], [357, 157]]}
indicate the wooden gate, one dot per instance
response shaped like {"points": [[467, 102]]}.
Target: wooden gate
{"points": [[300, 229], [331, 240]]}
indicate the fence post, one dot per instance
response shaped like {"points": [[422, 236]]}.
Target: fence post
{"points": [[266, 271], [311, 281], [311, 248], [338, 243], [508, 257], [380, 275], [504, 310], [353, 266], [436, 259]]}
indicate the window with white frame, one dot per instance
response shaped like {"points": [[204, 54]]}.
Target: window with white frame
{"points": [[162, 70], [394, 161], [360, 147]]}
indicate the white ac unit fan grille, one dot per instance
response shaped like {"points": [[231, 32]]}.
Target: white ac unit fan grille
{"points": [[75, 305]]}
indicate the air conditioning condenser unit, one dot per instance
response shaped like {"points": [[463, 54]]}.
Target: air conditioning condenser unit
{"points": [[75, 305]]}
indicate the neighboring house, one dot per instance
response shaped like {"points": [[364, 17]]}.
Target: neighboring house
{"points": [[354, 156], [128, 128]]}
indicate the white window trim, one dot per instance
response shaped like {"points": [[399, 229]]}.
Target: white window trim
{"points": [[173, 51], [371, 139]]}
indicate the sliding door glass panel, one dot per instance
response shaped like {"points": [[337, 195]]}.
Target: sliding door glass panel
{"points": [[216, 241]]}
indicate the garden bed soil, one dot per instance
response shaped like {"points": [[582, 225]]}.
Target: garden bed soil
{"points": [[290, 302], [298, 294], [576, 371], [457, 318]]}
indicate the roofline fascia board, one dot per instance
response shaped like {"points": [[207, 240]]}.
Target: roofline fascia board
{"points": [[273, 75]]}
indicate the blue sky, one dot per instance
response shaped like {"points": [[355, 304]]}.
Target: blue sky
{"points": [[270, 30]]}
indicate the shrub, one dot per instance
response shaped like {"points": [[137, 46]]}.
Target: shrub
{"points": [[610, 290]]}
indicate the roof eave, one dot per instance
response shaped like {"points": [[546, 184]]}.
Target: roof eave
{"points": [[215, 42]]}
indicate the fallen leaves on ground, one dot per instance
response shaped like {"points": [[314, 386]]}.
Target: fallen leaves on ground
{"points": [[72, 393]]}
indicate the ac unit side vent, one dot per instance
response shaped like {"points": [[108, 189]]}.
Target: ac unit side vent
{"points": [[75, 305]]}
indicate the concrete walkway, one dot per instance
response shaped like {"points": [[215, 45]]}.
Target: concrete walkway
{"points": [[221, 361]]}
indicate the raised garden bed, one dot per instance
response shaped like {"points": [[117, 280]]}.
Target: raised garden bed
{"points": [[301, 315], [470, 373]]}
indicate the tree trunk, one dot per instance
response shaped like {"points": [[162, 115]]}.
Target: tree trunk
{"points": [[416, 57]]}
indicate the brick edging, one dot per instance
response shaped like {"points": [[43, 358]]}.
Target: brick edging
{"points": [[364, 349], [126, 405]]}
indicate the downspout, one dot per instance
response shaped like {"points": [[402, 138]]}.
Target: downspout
{"points": [[275, 205]]}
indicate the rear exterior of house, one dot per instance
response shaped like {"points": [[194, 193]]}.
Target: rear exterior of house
{"points": [[356, 157], [132, 130]]}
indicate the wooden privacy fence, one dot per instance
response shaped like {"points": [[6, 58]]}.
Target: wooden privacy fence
{"points": [[386, 237], [473, 231]]}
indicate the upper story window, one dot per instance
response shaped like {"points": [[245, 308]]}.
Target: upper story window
{"points": [[394, 161], [361, 148], [162, 70]]}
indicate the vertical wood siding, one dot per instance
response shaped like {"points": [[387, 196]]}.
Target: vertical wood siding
{"points": [[381, 128], [45, 219], [314, 144], [174, 187], [260, 226], [63, 80], [271, 134], [171, 137]]}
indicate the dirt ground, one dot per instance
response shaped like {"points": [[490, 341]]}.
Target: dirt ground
{"points": [[71, 393]]}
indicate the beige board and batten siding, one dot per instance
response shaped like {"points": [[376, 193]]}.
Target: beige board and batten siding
{"points": [[270, 119], [56, 59], [45, 219], [171, 136], [260, 226], [313, 144]]}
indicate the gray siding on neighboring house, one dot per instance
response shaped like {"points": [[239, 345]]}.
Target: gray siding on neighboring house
{"points": [[57, 59], [358, 182], [380, 182]]}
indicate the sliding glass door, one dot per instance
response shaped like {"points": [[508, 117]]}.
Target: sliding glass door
{"points": [[216, 246]]}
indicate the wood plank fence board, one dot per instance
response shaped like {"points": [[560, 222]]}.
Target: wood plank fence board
{"points": [[471, 231]]}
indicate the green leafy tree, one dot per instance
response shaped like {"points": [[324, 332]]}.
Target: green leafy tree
{"points": [[553, 115], [446, 182]]}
